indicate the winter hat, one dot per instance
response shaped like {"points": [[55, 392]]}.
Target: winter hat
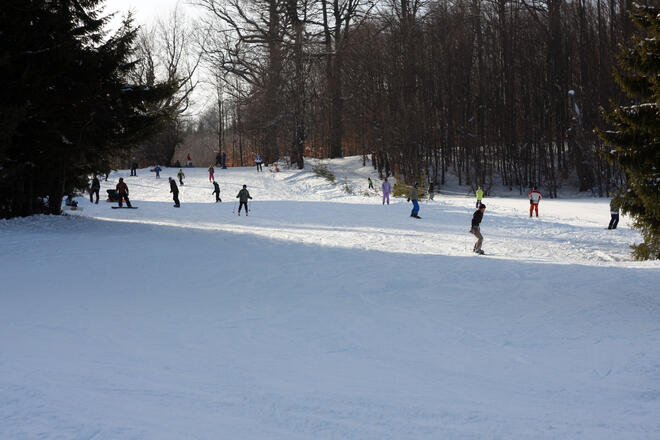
{"points": [[482, 206]]}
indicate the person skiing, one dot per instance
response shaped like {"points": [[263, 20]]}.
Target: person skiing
{"points": [[413, 195], [134, 169], [216, 191], [480, 195], [189, 161], [181, 176], [387, 190], [175, 192], [122, 192], [614, 211], [476, 221], [534, 199], [94, 189], [371, 184], [258, 160], [243, 196], [211, 171], [157, 169]]}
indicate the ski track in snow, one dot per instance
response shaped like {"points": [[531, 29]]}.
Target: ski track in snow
{"points": [[324, 315]]}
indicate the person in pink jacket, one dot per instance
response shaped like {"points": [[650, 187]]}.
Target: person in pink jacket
{"points": [[387, 190], [534, 199]]}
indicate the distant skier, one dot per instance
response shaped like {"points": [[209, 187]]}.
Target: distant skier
{"points": [[181, 176], [216, 191], [387, 190], [534, 199], [431, 190], [189, 161], [218, 160], [224, 160], [211, 172], [175, 192], [480, 195], [258, 160], [371, 184], [122, 192], [243, 196], [94, 189], [157, 169], [476, 221], [134, 169], [413, 195], [614, 211]]}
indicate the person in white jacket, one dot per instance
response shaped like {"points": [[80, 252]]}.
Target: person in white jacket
{"points": [[534, 199]]}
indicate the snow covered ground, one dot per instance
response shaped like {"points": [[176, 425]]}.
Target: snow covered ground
{"points": [[324, 315]]}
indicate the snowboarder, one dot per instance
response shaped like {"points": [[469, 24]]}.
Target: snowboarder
{"points": [[371, 184], [94, 189], [180, 175], [189, 161], [476, 220], [258, 160], [216, 191], [243, 196], [480, 195], [157, 169], [175, 192], [534, 199], [413, 195], [614, 211], [122, 192], [211, 171], [387, 190], [134, 167]]}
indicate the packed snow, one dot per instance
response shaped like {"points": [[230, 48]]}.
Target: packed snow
{"points": [[325, 315]]}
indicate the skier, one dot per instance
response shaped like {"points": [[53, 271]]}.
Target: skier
{"points": [[414, 196], [175, 192], [476, 220], [94, 189], [614, 211], [371, 184], [431, 190], [387, 190], [134, 169], [258, 160], [211, 171], [534, 199], [122, 192], [157, 169], [480, 195], [216, 191], [189, 163], [243, 196], [180, 175]]}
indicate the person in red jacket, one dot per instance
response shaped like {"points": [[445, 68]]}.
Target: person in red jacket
{"points": [[534, 199], [122, 192]]}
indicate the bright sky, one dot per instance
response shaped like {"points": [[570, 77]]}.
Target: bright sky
{"points": [[147, 11]]}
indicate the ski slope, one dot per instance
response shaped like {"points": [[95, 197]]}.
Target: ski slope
{"points": [[324, 315]]}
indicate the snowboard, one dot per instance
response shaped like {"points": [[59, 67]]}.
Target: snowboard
{"points": [[124, 207]]}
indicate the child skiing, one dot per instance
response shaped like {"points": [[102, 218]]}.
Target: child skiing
{"points": [[387, 190], [534, 199], [157, 169], [175, 192], [216, 191], [243, 196], [211, 171], [414, 196], [371, 184], [180, 175], [476, 221]]}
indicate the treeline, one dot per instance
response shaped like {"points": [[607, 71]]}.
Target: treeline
{"points": [[498, 91]]}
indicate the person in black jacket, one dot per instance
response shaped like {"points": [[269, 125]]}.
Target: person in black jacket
{"points": [[175, 192], [476, 221], [216, 191], [243, 196], [94, 189]]}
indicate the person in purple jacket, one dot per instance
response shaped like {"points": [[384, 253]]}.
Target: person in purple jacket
{"points": [[387, 190]]}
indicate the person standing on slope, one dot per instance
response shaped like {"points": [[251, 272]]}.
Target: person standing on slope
{"points": [[180, 175], [476, 221], [122, 192], [243, 196], [480, 195], [175, 192], [157, 169], [371, 184], [216, 191], [211, 172], [387, 190], [188, 161], [414, 196], [94, 189], [614, 211], [534, 199], [258, 161]]}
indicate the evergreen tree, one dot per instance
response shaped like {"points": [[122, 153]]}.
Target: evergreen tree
{"points": [[66, 107], [634, 141]]}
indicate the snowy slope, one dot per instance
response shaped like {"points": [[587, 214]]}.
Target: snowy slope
{"points": [[324, 315]]}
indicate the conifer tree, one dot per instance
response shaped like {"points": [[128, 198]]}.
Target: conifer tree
{"points": [[634, 140], [66, 106]]}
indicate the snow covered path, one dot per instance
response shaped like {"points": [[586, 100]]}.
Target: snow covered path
{"points": [[324, 316]]}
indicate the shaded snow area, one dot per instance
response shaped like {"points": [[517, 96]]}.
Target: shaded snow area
{"points": [[324, 315]]}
